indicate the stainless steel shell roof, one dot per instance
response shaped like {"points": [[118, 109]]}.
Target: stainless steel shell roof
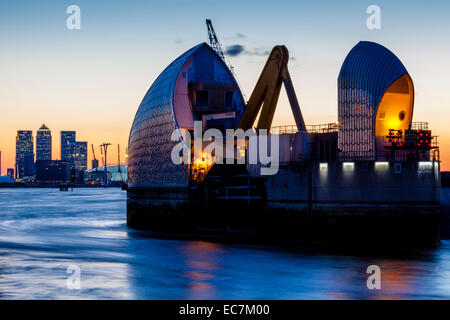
{"points": [[150, 144], [372, 68], [367, 72]]}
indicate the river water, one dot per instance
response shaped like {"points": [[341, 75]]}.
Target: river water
{"points": [[43, 232]]}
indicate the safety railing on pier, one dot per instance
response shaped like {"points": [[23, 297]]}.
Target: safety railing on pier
{"points": [[290, 129], [399, 155]]}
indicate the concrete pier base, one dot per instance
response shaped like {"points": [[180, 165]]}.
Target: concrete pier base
{"points": [[358, 207]]}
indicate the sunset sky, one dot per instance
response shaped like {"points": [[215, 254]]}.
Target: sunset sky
{"points": [[92, 80]]}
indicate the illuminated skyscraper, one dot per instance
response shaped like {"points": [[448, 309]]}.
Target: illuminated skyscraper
{"points": [[72, 151], [67, 137], [44, 143], [78, 151], [24, 154]]}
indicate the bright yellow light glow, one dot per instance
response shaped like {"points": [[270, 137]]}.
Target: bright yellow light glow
{"points": [[425, 166], [396, 107], [323, 167], [201, 166], [348, 166], [381, 166]]}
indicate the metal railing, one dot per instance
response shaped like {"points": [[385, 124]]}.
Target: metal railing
{"points": [[419, 126], [291, 129], [330, 127], [356, 156]]}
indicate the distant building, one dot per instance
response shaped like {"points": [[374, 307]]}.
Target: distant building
{"points": [[78, 159], [77, 176], [44, 143], [94, 163], [73, 152], [52, 172], [97, 177], [67, 137], [4, 180], [10, 173], [24, 154], [114, 174]]}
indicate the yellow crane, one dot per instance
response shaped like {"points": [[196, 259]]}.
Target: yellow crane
{"points": [[267, 91]]}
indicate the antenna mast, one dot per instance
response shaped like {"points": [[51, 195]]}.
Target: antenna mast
{"points": [[104, 149]]}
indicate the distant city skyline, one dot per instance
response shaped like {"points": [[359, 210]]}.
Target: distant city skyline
{"points": [[94, 79], [54, 150], [30, 148]]}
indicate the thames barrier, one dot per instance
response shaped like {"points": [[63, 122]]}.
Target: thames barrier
{"points": [[374, 175]]}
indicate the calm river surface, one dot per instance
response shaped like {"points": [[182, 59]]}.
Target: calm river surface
{"points": [[44, 231]]}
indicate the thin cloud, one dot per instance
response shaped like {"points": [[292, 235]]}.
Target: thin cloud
{"points": [[238, 49], [234, 50], [258, 52]]}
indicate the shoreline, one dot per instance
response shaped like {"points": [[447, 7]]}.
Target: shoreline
{"points": [[21, 186]]}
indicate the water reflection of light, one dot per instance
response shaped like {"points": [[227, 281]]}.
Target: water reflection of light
{"points": [[396, 279], [40, 238], [407, 278], [201, 262]]}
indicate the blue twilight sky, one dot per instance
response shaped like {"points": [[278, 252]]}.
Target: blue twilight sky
{"points": [[92, 80]]}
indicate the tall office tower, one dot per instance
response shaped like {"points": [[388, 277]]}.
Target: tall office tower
{"points": [[44, 143], [24, 154], [67, 138], [79, 155]]}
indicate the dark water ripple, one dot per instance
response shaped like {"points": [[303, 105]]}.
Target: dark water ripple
{"points": [[43, 231]]}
